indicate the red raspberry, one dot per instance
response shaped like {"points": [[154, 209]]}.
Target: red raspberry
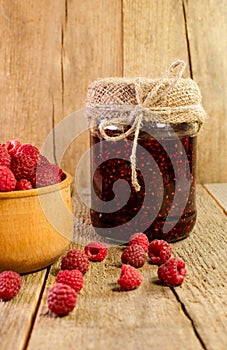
{"points": [[5, 158], [57, 171], [61, 175], [46, 176], [73, 278], [172, 272], [42, 161], [24, 161], [159, 251], [75, 260], [96, 251], [7, 179], [10, 284], [12, 146], [140, 239], [130, 278], [61, 299], [134, 255], [23, 184]]}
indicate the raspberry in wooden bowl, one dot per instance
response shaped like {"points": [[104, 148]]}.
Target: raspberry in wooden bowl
{"points": [[36, 226], [36, 223]]}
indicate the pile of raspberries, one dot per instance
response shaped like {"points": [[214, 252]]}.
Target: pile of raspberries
{"points": [[62, 297], [23, 167], [171, 271]]}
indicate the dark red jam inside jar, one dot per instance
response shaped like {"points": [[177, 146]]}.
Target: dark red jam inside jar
{"points": [[164, 207]]}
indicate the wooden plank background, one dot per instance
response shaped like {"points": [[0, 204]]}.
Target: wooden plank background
{"points": [[51, 50]]}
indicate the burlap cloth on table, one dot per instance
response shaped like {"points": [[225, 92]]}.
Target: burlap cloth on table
{"points": [[170, 99]]}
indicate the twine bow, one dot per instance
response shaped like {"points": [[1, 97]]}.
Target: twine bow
{"points": [[175, 72]]}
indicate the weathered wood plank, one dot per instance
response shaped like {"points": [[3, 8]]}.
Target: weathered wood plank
{"points": [[16, 315], [91, 47], [207, 19], [107, 318], [219, 192], [154, 36], [204, 292], [30, 72]]}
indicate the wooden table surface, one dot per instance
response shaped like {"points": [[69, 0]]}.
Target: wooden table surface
{"points": [[191, 316]]}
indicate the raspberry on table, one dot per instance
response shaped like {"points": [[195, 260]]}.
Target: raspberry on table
{"points": [[73, 278], [7, 179], [159, 251], [10, 284], [130, 278], [75, 260], [134, 255], [23, 184], [5, 158], [61, 299], [24, 161], [172, 272], [141, 239], [96, 251]]}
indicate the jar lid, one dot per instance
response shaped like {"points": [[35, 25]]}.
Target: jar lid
{"points": [[131, 91], [172, 98]]}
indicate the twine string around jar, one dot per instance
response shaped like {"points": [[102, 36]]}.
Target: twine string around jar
{"points": [[173, 74]]}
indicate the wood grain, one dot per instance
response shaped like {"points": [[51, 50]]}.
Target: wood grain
{"points": [[204, 293], [206, 30], [30, 67], [219, 192], [91, 47], [154, 36], [106, 317], [17, 315]]}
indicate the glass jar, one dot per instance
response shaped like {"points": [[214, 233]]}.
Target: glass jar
{"points": [[165, 205]]}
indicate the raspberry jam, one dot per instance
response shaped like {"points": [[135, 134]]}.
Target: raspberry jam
{"points": [[164, 207]]}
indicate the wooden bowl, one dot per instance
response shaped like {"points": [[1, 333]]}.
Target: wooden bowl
{"points": [[36, 226]]}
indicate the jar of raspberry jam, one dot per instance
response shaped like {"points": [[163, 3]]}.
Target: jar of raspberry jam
{"points": [[143, 157]]}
